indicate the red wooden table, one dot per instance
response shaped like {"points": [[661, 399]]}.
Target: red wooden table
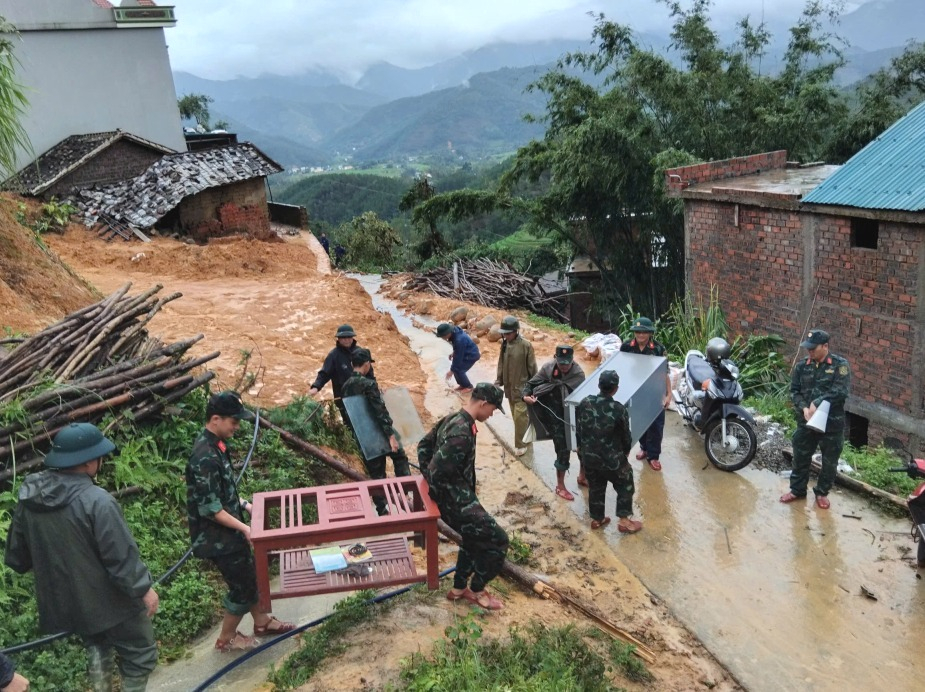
{"points": [[282, 524]]}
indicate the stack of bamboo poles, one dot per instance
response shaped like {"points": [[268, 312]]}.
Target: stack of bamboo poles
{"points": [[97, 361]]}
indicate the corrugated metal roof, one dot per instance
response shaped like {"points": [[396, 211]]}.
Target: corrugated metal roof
{"points": [[889, 173]]}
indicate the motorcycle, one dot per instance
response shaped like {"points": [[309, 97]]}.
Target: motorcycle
{"points": [[708, 398], [915, 468]]}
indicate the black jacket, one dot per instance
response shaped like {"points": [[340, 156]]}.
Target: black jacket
{"points": [[337, 369]]}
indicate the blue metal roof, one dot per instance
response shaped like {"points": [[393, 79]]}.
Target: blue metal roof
{"points": [[889, 173]]}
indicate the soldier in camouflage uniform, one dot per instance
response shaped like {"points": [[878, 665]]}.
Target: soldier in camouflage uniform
{"points": [[217, 527], [447, 459], [823, 376], [360, 385], [603, 443], [549, 388]]}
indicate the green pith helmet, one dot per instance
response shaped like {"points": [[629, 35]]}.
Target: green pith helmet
{"points": [[509, 324], [345, 331], [643, 324], [77, 444]]}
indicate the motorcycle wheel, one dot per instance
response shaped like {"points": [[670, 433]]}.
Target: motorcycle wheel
{"points": [[739, 450]]}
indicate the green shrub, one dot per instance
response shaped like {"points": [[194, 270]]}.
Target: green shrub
{"points": [[870, 465]]}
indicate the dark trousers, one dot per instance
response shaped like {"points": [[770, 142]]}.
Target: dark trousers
{"points": [[132, 640], [375, 469], [651, 440], [805, 442], [622, 481], [556, 428], [484, 547]]}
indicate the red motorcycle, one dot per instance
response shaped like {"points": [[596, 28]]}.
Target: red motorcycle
{"points": [[915, 468]]}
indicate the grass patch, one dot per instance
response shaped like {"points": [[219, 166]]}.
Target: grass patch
{"points": [[536, 658], [777, 407], [870, 465], [550, 324], [325, 641], [519, 552]]}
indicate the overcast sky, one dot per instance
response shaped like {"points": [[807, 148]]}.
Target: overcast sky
{"points": [[222, 39]]}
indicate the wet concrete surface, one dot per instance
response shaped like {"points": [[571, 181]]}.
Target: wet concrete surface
{"points": [[774, 591]]}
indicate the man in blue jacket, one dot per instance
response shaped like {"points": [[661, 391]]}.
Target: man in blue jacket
{"points": [[464, 356]]}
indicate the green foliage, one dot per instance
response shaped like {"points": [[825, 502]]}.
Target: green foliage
{"points": [[519, 552], [324, 641], [871, 466], [13, 103], [195, 107], [548, 323], [336, 198], [777, 406], [535, 659], [371, 243]]}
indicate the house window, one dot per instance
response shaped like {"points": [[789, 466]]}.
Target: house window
{"points": [[865, 233], [858, 427]]}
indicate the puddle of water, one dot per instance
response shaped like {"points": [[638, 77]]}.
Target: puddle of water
{"points": [[774, 591]]}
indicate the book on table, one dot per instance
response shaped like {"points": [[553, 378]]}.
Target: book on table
{"points": [[327, 559]]}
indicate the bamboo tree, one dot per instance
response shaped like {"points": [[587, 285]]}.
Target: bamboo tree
{"points": [[13, 104]]}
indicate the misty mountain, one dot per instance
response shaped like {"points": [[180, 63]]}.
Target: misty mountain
{"points": [[482, 117], [884, 24]]}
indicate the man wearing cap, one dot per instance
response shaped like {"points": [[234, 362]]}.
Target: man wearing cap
{"points": [[217, 527], [89, 577], [548, 390], [516, 365], [465, 354], [823, 376], [604, 442], [337, 368], [650, 444], [360, 385], [446, 456]]}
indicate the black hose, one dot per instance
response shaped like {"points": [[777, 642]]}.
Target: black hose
{"points": [[298, 630], [165, 577]]}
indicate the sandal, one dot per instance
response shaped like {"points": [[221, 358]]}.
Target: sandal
{"points": [[279, 628], [466, 595], [564, 494], [640, 455], [655, 464], [787, 498], [595, 524], [582, 481], [631, 527], [475, 597], [239, 642], [822, 502]]}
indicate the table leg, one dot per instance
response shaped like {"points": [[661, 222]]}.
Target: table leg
{"points": [[433, 563], [262, 565]]}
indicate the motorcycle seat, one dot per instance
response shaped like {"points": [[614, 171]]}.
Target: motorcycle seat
{"points": [[699, 370]]}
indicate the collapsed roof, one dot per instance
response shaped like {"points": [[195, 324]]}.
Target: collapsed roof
{"points": [[68, 155], [141, 202]]}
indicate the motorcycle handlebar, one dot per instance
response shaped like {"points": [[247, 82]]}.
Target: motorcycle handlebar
{"points": [[902, 469]]}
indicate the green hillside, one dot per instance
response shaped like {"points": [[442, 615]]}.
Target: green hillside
{"points": [[338, 197]]}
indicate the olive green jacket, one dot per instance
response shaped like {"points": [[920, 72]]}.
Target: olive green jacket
{"points": [[516, 365]]}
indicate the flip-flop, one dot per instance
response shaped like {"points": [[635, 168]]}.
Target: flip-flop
{"points": [[787, 498], [582, 481], [640, 456], [564, 494], [464, 596], [634, 527], [493, 603], [822, 502], [655, 464], [595, 524]]}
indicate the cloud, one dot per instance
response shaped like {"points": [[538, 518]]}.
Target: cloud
{"points": [[222, 39]]}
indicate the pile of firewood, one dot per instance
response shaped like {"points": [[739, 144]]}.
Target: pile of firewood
{"points": [[97, 361], [489, 283]]}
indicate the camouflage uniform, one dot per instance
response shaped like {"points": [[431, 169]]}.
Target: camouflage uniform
{"points": [[210, 488], [551, 387], [360, 385], [447, 459], [603, 442], [814, 383]]}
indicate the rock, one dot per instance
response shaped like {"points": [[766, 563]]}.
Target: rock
{"points": [[475, 340], [494, 333], [403, 296], [459, 314], [425, 307], [483, 325], [539, 336]]}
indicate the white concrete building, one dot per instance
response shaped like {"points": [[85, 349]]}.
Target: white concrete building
{"points": [[94, 66]]}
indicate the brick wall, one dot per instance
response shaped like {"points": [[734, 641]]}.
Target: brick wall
{"points": [[677, 179], [120, 161], [237, 208], [868, 299]]}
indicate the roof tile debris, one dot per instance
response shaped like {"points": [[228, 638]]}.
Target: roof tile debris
{"points": [[66, 156], [143, 201]]}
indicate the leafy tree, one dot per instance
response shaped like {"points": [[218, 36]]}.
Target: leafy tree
{"points": [[195, 107], [609, 138], [13, 104], [432, 243], [370, 242]]}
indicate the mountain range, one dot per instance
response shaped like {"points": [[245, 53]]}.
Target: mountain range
{"points": [[470, 106]]}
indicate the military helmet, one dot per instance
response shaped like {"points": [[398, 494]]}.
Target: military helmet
{"points": [[509, 324], [345, 331], [76, 444], [642, 324], [717, 349], [609, 379]]}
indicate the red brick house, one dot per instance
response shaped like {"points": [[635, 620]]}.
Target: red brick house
{"points": [[839, 248]]}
